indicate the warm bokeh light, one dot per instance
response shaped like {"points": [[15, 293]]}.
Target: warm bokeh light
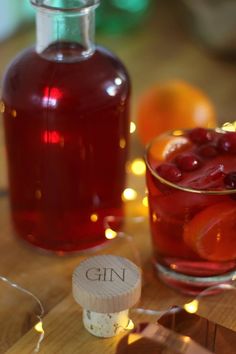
{"points": [[133, 337], [129, 194], [2, 107], [39, 327], [130, 325], [138, 167], [178, 132], [145, 202], [186, 339], [14, 113], [94, 217], [110, 234], [122, 143], [38, 194], [132, 127], [192, 306], [154, 217], [229, 126]]}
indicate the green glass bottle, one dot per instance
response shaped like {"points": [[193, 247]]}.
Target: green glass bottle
{"points": [[117, 16]]}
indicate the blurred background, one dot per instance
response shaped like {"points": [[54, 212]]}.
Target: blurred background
{"points": [[158, 40]]}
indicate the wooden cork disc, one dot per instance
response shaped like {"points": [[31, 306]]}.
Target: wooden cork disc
{"points": [[106, 284]]}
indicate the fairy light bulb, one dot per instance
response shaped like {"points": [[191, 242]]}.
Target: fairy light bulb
{"points": [[132, 127], [94, 217], [145, 202], [39, 327], [192, 306], [130, 325], [129, 194], [110, 234], [138, 167]]}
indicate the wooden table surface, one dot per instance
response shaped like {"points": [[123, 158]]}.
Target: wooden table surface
{"points": [[160, 49]]}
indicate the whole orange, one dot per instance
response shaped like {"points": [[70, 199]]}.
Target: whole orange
{"points": [[173, 105]]}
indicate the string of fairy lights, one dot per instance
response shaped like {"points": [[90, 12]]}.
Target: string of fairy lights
{"points": [[39, 326]]}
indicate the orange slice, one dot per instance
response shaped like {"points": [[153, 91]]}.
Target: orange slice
{"points": [[164, 147], [212, 232]]}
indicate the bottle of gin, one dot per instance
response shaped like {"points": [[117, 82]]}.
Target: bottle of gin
{"points": [[65, 108]]}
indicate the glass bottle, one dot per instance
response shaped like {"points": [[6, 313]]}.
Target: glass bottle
{"points": [[118, 16], [66, 109]]}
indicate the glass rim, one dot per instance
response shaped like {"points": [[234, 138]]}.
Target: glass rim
{"points": [[88, 5], [174, 185]]}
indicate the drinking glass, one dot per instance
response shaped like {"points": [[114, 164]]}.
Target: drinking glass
{"points": [[192, 229]]}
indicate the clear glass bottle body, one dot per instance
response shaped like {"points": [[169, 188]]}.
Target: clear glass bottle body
{"points": [[66, 129]]}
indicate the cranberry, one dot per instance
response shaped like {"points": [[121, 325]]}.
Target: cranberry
{"points": [[170, 172], [207, 150], [227, 142], [201, 135], [187, 162], [230, 180]]}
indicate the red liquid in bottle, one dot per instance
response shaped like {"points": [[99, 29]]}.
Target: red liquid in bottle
{"points": [[66, 128]]}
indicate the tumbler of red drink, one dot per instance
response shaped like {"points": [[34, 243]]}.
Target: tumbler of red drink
{"points": [[191, 181]]}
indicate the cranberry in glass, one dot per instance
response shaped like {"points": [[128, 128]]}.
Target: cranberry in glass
{"points": [[230, 180], [207, 150], [169, 171], [201, 135], [187, 162], [227, 142]]}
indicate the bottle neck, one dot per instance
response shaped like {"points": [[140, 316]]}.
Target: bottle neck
{"points": [[65, 34]]}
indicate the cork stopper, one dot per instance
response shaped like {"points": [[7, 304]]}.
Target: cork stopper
{"points": [[106, 284]]}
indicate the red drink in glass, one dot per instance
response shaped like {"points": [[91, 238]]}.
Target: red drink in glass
{"points": [[191, 180]]}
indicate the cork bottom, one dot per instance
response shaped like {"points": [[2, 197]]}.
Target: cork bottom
{"points": [[106, 325]]}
